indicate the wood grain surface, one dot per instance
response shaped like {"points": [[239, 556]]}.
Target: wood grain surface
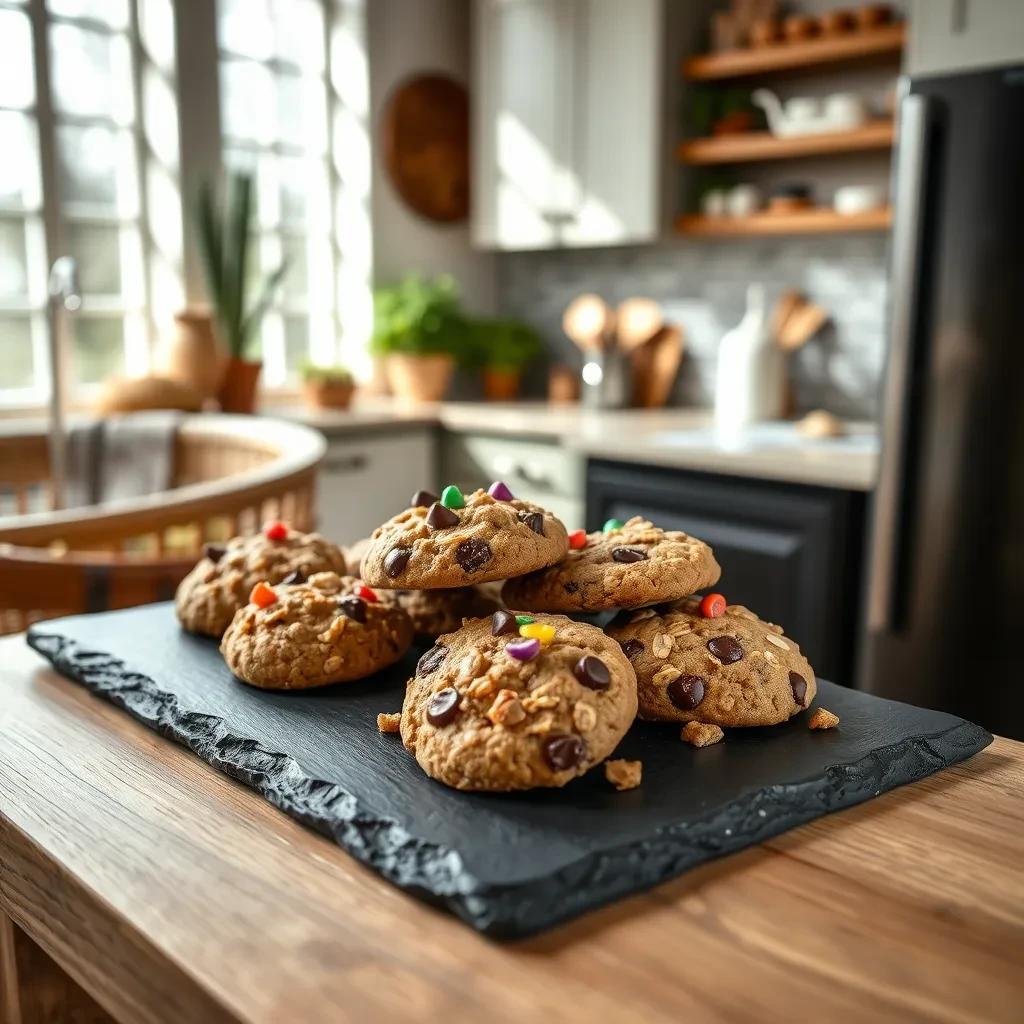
{"points": [[169, 892]]}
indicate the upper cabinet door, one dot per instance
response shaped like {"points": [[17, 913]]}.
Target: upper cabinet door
{"points": [[567, 122], [946, 36]]}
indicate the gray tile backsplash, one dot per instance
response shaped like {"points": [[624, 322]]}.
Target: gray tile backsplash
{"points": [[702, 286]]}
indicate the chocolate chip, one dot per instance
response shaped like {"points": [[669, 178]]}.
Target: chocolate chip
{"points": [[569, 587], [503, 622], [396, 561], [353, 607], [443, 707], [423, 498], [686, 692], [473, 554], [430, 660], [726, 649], [564, 750], [798, 685], [593, 672], [534, 520], [441, 518], [294, 578], [631, 648], [628, 554], [214, 552]]}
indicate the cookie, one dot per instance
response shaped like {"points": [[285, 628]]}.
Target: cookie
{"points": [[627, 565], [434, 612], [219, 585], [730, 669], [459, 539], [502, 704], [330, 629], [354, 555]]}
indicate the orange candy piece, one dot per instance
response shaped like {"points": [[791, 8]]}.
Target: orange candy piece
{"points": [[275, 531], [366, 593], [578, 539], [262, 595], [712, 606]]}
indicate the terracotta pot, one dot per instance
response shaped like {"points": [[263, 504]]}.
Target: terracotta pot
{"points": [[238, 388], [328, 394], [420, 378], [193, 355], [501, 385]]}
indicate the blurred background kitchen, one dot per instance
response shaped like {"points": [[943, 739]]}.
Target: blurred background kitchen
{"points": [[634, 258]]}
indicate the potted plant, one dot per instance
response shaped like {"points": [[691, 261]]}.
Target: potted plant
{"points": [[421, 333], [224, 234], [505, 348], [327, 387]]}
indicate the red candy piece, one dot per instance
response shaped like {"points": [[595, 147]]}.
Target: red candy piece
{"points": [[578, 539], [366, 593], [712, 606], [275, 531], [262, 596]]}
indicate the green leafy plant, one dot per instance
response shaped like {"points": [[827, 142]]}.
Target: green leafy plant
{"points": [[506, 344], [225, 232], [314, 373], [421, 317]]}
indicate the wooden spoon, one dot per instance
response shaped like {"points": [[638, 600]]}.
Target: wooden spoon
{"points": [[801, 325], [637, 321], [589, 322]]}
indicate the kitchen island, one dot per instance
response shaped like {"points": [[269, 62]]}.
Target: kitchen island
{"points": [[168, 892]]}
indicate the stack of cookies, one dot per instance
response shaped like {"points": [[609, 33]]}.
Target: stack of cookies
{"points": [[516, 691]]}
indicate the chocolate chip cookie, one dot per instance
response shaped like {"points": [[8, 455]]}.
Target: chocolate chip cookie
{"points": [[219, 585], [514, 702], [330, 629], [434, 612], [457, 539], [727, 669], [627, 565]]}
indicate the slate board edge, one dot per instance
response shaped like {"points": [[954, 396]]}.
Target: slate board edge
{"points": [[436, 873]]}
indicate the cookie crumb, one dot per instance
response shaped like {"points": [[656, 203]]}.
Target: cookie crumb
{"points": [[823, 719], [624, 774], [701, 735], [389, 722]]}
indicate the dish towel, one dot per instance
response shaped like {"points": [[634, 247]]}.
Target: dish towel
{"points": [[120, 457]]}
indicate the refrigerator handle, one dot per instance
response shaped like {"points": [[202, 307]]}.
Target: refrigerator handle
{"points": [[908, 230]]}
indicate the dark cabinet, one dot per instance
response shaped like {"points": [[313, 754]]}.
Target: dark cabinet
{"points": [[791, 553]]}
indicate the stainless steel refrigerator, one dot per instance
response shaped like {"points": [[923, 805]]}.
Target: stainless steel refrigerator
{"points": [[945, 589]]}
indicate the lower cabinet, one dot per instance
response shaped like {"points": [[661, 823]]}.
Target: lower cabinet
{"points": [[789, 552]]}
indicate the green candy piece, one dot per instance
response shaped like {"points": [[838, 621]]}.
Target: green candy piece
{"points": [[524, 620], [451, 497], [612, 524]]}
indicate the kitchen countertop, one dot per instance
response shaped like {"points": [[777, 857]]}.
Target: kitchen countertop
{"points": [[675, 438], [172, 893]]}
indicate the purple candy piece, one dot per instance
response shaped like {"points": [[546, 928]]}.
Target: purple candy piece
{"points": [[523, 650], [499, 491]]}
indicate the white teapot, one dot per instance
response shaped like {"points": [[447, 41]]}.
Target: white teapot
{"points": [[806, 115]]}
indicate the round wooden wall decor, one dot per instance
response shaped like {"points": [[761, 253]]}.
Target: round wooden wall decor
{"points": [[425, 143]]}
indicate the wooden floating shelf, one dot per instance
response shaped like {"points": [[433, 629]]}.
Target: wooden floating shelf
{"points": [[763, 60], [747, 147], [821, 221]]}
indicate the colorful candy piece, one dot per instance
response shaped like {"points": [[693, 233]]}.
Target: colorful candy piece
{"points": [[262, 595], [523, 650], [423, 498], [275, 530], [499, 491], [366, 593], [578, 539], [541, 631], [712, 606], [503, 622], [524, 620], [612, 524], [451, 497]]}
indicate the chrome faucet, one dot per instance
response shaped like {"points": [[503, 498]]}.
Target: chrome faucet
{"points": [[64, 297]]}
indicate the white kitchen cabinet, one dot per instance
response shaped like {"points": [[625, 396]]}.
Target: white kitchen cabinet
{"points": [[365, 480], [958, 35], [567, 122]]}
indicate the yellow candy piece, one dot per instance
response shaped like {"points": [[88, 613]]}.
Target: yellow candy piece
{"points": [[538, 631]]}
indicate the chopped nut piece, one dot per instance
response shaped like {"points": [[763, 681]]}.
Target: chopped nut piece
{"points": [[662, 645], [823, 719], [701, 735], [387, 722], [540, 703], [624, 774], [584, 717], [506, 709], [777, 641], [665, 675]]}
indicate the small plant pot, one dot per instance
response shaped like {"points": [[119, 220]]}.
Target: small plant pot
{"points": [[420, 378], [501, 385], [328, 394], [238, 387]]}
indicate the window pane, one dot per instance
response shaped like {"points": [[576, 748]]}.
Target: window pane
{"points": [[17, 86], [91, 73], [111, 12], [302, 112], [156, 26], [19, 166], [17, 363], [13, 260], [296, 343], [300, 33], [98, 347], [247, 95], [296, 280], [160, 117], [245, 28], [97, 169], [98, 251]]}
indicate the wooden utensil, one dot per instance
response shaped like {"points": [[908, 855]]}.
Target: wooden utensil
{"points": [[637, 321], [656, 366], [801, 325], [788, 302], [589, 323]]}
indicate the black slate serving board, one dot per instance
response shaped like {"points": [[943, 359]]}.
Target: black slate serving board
{"points": [[507, 864]]}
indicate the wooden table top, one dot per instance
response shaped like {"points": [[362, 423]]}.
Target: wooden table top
{"points": [[172, 893]]}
